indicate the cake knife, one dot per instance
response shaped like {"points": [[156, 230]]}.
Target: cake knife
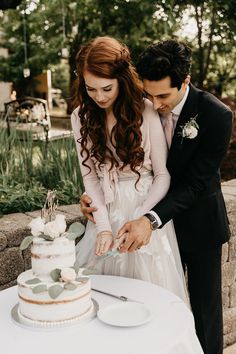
{"points": [[120, 297]]}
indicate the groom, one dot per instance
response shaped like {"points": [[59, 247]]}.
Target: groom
{"points": [[198, 129]]}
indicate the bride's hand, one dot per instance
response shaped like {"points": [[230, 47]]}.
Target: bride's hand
{"points": [[103, 242]]}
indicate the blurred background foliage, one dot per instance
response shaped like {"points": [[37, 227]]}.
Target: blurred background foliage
{"points": [[46, 34], [209, 27], [28, 169]]}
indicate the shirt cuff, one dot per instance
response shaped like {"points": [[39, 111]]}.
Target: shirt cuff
{"points": [[156, 217]]}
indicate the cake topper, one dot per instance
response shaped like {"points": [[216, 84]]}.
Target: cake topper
{"points": [[50, 206], [50, 225]]}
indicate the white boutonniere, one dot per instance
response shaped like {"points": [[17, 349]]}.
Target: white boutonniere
{"points": [[190, 129]]}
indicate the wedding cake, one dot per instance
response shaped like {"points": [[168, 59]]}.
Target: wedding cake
{"points": [[55, 291]]}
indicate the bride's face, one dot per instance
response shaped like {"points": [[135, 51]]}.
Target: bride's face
{"points": [[103, 91]]}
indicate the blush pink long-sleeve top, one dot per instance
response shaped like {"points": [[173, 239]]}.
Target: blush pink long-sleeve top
{"points": [[101, 184]]}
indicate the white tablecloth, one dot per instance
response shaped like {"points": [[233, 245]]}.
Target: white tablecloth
{"points": [[171, 331]]}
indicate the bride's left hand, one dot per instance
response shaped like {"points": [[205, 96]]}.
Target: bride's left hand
{"points": [[103, 242]]}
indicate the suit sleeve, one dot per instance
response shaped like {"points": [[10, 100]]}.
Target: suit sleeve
{"points": [[197, 177]]}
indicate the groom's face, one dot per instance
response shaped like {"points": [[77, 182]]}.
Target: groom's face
{"points": [[163, 96]]}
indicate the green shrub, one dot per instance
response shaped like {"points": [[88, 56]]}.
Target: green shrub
{"points": [[28, 169]]}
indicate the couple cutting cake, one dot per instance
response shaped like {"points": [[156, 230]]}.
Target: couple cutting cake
{"points": [[150, 168]]}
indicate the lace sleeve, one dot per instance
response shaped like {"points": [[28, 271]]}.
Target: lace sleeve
{"points": [[91, 182]]}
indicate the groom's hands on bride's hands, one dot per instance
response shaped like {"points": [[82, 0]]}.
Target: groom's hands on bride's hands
{"points": [[138, 233], [118, 242], [85, 207]]}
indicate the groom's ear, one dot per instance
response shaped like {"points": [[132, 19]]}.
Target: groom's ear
{"points": [[186, 82]]}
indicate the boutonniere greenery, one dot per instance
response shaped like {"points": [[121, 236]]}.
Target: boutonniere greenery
{"points": [[190, 129]]}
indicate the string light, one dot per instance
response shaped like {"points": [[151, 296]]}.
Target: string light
{"points": [[26, 70], [64, 50]]}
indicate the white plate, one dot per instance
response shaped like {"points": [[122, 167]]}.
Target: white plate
{"points": [[125, 314]]}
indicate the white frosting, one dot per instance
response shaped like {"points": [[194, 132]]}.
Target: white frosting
{"points": [[41, 307], [47, 324], [48, 255], [70, 304]]}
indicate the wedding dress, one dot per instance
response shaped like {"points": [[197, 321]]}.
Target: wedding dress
{"points": [[118, 200]]}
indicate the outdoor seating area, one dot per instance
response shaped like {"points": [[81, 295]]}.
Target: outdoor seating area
{"points": [[30, 119]]}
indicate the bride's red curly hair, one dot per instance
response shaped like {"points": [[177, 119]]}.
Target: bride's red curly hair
{"points": [[106, 57]]}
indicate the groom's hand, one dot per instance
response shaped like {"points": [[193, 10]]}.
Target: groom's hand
{"points": [[85, 207], [138, 233]]}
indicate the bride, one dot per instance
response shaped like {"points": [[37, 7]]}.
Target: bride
{"points": [[122, 153]]}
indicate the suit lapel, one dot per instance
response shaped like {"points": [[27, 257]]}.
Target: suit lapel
{"points": [[190, 109]]}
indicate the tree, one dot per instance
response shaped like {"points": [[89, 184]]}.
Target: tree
{"points": [[49, 28], [52, 26], [214, 43]]}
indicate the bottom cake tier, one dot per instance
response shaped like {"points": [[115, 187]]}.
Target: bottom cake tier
{"points": [[40, 307]]}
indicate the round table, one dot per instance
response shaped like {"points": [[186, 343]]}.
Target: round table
{"points": [[171, 331]]}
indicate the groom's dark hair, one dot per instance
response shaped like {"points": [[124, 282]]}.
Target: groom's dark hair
{"points": [[166, 58]]}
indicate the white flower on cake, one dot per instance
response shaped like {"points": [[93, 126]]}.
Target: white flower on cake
{"points": [[37, 226], [68, 274], [51, 226], [61, 223], [56, 227]]}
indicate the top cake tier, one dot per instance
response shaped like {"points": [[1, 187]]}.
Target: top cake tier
{"points": [[48, 255]]}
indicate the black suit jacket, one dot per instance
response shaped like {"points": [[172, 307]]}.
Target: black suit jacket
{"points": [[195, 201]]}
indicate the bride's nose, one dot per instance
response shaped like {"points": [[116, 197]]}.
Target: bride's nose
{"points": [[99, 96]]}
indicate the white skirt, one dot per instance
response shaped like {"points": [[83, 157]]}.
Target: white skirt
{"points": [[158, 262]]}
